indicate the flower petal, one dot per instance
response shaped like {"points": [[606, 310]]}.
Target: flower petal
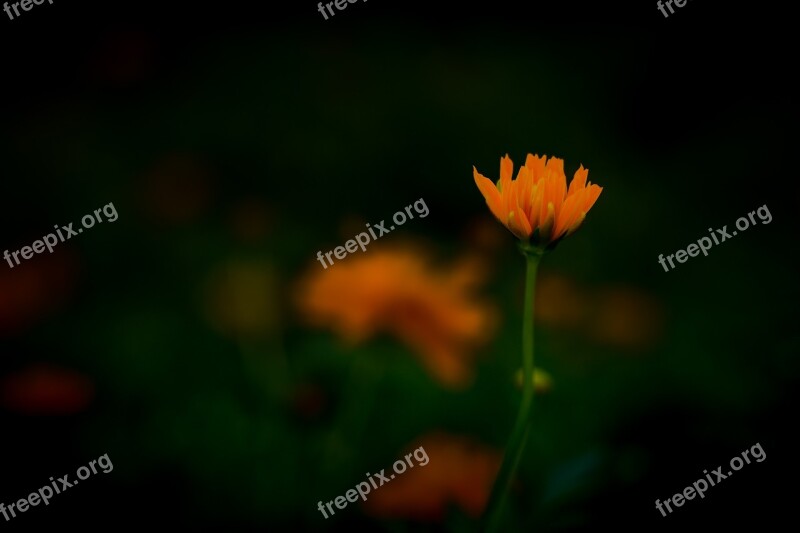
{"points": [[537, 196], [569, 212], [518, 224], [576, 224], [536, 166], [578, 180], [490, 193], [556, 189], [592, 194], [506, 172], [524, 188], [546, 229]]}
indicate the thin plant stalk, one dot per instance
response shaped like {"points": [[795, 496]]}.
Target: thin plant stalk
{"points": [[519, 435]]}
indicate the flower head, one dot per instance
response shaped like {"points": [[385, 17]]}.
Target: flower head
{"points": [[537, 207]]}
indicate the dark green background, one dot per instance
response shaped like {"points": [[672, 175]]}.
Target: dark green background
{"points": [[687, 123]]}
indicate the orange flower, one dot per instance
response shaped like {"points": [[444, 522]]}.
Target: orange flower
{"points": [[537, 206], [396, 291], [458, 472]]}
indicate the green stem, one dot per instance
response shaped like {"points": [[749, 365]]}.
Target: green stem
{"points": [[519, 435]]}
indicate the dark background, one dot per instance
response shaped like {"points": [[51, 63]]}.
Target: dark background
{"points": [[242, 139]]}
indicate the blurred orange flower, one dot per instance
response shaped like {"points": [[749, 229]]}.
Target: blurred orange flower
{"points": [[458, 472], [537, 204], [560, 302], [46, 390], [627, 317], [397, 291], [621, 316]]}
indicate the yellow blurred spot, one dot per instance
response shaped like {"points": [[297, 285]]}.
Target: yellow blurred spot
{"points": [[241, 300], [542, 380]]}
